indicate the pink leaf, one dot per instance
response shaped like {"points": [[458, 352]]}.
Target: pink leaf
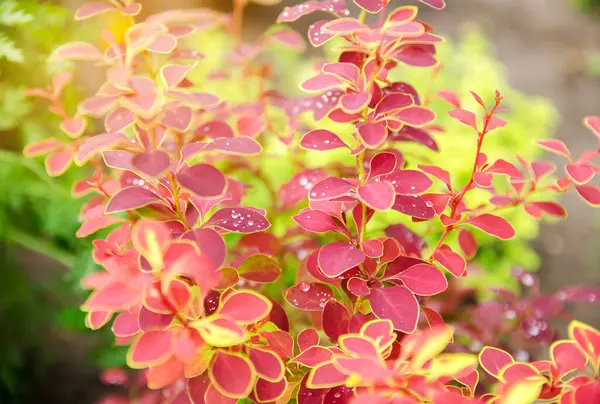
{"points": [[118, 119], [495, 123], [292, 13], [377, 195], [452, 261], [224, 366], [451, 97], [484, 180], [314, 356], [438, 173], [288, 38], [244, 307], [593, 123], [580, 173], [163, 44], [397, 304], [466, 117], [494, 225], [73, 127], [203, 180], [98, 143], [373, 135], [345, 71], [178, 118], [424, 280], [58, 162], [344, 26], [536, 209], [267, 391], [555, 146], [151, 347], [372, 6], [315, 221], [42, 147], [392, 103], [131, 198], [297, 188], [92, 9], [307, 338], [409, 182], [358, 287], [337, 257], [501, 166], [415, 116], [381, 164], [321, 82], [330, 188], [439, 4], [77, 51], [173, 74], [308, 296], [242, 145], [467, 243], [354, 102], [414, 205], [239, 219], [590, 193], [151, 162], [316, 35], [321, 139]]}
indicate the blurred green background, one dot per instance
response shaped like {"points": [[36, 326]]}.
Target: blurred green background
{"points": [[547, 70]]}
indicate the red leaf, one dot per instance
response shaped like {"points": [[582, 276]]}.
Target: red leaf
{"points": [[452, 261], [314, 356], [424, 280], [438, 173], [536, 209], [495, 123], [382, 164], [567, 356], [358, 287], [337, 257], [152, 347], [281, 342], [372, 248], [308, 296], [409, 182], [226, 365], [321, 139], [330, 188], [307, 338], [410, 241], [210, 243], [373, 135], [125, 325], [377, 195], [494, 225], [131, 198], [336, 320], [393, 103], [244, 307], [267, 391], [414, 205], [467, 243], [590, 193], [267, 364], [354, 102], [239, 219], [466, 117], [397, 304], [203, 180], [587, 393], [483, 180], [493, 360], [322, 376]]}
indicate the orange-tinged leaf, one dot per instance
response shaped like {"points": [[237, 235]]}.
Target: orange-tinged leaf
{"points": [[325, 375], [267, 364], [567, 356], [307, 338], [587, 338], [220, 332], [450, 365], [358, 346]]}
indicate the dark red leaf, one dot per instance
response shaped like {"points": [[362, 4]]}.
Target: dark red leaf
{"points": [[494, 225], [321, 139], [424, 280], [239, 219], [203, 180], [452, 261], [336, 320], [308, 296]]}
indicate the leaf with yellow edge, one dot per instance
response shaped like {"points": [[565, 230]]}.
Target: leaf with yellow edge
{"points": [[526, 392], [428, 344], [220, 332], [450, 365], [588, 339]]}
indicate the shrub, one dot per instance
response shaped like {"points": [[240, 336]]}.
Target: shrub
{"points": [[259, 244]]}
